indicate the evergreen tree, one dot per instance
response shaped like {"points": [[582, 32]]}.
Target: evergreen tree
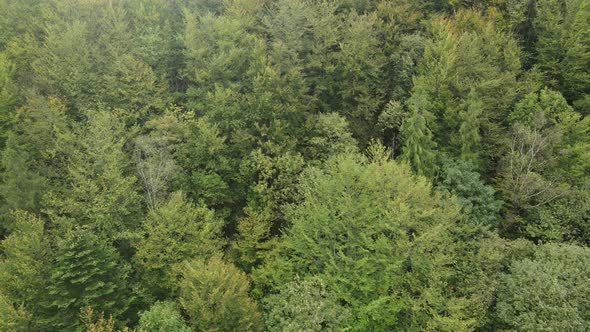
{"points": [[11, 318], [98, 191], [469, 130], [468, 79], [23, 269], [85, 272], [30, 161], [561, 50], [7, 97], [418, 146]]}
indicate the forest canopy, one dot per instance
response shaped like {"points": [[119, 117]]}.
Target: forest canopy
{"points": [[294, 165]]}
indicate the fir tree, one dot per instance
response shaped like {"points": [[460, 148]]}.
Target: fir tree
{"points": [[85, 272]]}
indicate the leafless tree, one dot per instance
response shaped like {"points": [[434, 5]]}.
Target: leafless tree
{"points": [[155, 167]]}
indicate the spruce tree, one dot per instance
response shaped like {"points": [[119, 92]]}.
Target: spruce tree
{"points": [[98, 190], [85, 272], [30, 162], [418, 145], [469, 130], [24, 265], [7, 97]]}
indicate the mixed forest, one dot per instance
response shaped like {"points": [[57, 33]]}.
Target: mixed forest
{"points": [[294, 165]]}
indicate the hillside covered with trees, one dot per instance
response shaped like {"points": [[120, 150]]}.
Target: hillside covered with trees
{"points": [[294, 165]]}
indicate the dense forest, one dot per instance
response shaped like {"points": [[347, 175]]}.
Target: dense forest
{"points": [[294, 165]]}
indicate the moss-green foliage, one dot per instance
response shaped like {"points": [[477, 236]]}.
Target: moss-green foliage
{"points": [[548, 291], [162, 317], [175, 232], [84, 272], [30, 162], [23, 270], [11, 318], [561, 50], [467, 79], [7, 96], [304, 305], [220, 165], [99, 192], [214, 296], [365, 227]]}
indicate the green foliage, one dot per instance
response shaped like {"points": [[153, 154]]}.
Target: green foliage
{"points": [[418, 146], [478, 200], [175, 232], [98, 191], [363, 227], [142, 139], [548, 292], [561, 50], [208, 171], [85, 271], [274, 179], [162, 317], [21, 187], [7, 96], [253, 240], [467, 79], [86, 57], [221, 50], [30, 162], [469, 129], [214, 295], [304, 305], [565, 219], [23, 268], [11, 318], [329, 136]]}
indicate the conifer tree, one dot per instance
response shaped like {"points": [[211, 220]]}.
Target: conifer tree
{"points": [[7, 97], [30, 162], [23, 267], [98, 190], [562, 32], [12, 318], [469, 130], [418, 145], [85, 272]]}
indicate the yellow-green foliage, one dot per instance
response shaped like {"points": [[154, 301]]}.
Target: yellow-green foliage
{"points": [[214, 295]]}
